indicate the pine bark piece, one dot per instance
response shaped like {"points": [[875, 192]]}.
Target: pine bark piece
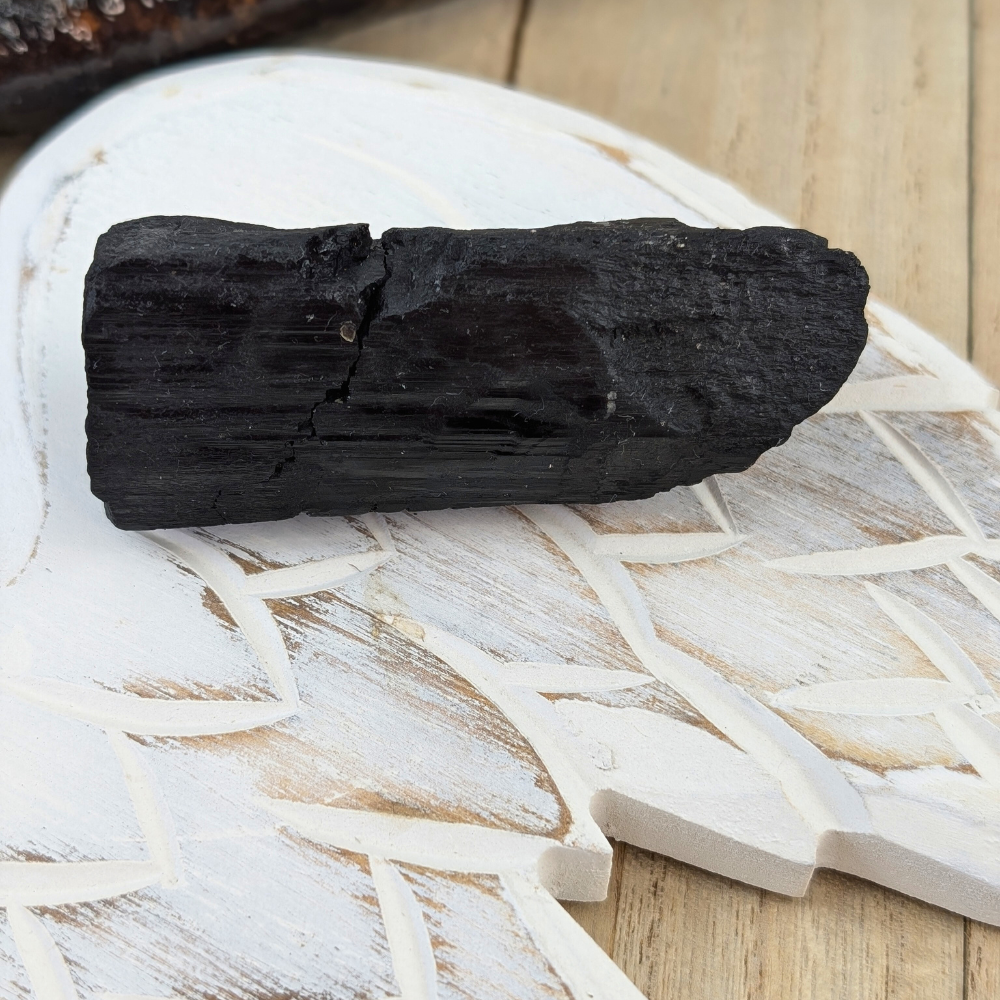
{"points": [[239, 373]]}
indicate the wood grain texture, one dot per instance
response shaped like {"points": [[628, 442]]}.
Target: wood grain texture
{"points": [[985, 216], [846, 117], [682, 933], [465, 36], [600, 920], [982, 961]]}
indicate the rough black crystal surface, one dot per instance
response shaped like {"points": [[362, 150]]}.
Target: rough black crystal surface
{"points": [[240, 373]]}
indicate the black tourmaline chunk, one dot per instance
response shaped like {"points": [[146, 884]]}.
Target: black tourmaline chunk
{"points": [[240, 373]]}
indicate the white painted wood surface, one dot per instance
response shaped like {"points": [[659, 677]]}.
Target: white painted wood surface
{"points": [[358, 757]]}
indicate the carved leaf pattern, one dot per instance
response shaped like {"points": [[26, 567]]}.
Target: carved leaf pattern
{"points": [[958, 703]]}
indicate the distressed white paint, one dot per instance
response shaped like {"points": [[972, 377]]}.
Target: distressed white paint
{"points": [[877, 696], [886, 558], [310, 577], [983, 586], [933, 641], [453, 847], [50, 979], [652, 549], [151, 809], [144, 716], [928, 475], [560, 678], [912, 393], [412, 954], [53, 883], [373, 748], [246, 607], [825, 799], [534, 717]]}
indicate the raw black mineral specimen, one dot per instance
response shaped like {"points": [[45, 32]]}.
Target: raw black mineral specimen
{"points": [[240, 373]]}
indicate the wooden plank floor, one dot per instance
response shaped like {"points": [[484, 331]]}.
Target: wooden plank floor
{"points": [[878, 125]]}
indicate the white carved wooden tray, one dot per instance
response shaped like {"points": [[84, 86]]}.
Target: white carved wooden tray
{"points": [[354, 757]]}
